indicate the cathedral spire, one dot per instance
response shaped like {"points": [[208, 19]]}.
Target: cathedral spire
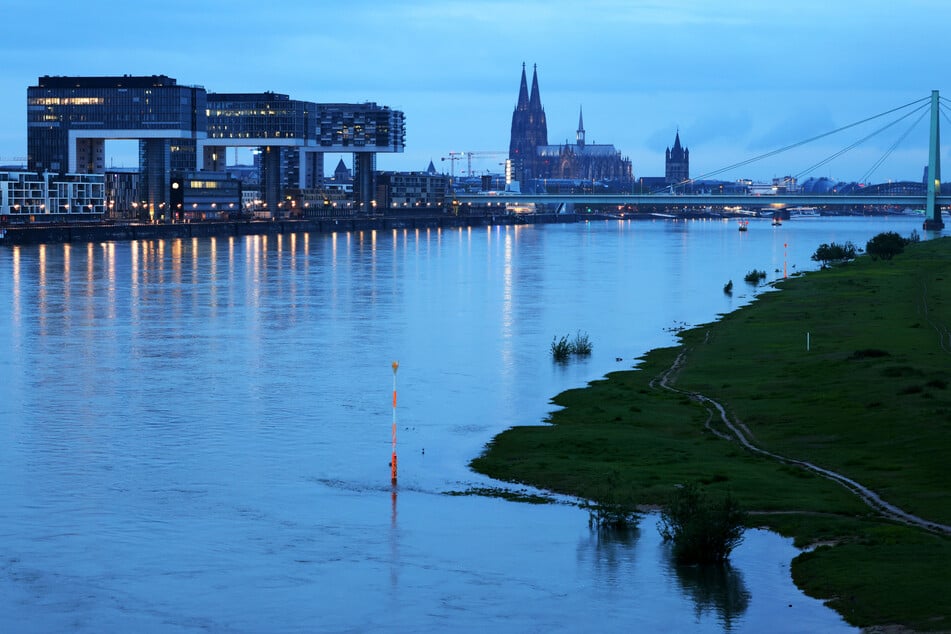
{"points": [[579, 135], [535, 102], [523, 92]]}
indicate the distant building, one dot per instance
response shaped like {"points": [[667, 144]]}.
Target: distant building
{"points": [[417, 190], [205, 196], [677, 163], [534, 159], [343, 174], [46, 197]]}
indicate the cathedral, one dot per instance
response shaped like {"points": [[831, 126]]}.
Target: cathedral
{"points": [[534, 159]]}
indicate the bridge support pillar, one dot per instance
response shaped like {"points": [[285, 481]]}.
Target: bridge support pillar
{"points": [[932, 210]]}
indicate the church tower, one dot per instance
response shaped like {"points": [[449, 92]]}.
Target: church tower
{"points": [[529, 129], [677, 169], [579, 135]]}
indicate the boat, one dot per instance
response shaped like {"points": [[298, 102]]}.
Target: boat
{"points": [[803, 212], [776, 221], [743, 225]]}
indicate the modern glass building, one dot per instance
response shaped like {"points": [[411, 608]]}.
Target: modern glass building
{"points": [[183, 129], [70, 118]]}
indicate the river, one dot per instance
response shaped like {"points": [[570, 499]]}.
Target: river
{"points": [[195, 434]]}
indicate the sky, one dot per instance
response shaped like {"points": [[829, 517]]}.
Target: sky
{"points": [[736, 78]]}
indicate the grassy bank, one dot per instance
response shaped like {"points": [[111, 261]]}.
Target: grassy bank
{"points": [[870, 399]]}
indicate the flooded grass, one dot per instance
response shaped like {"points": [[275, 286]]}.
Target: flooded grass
{"points": [[844, 368]]}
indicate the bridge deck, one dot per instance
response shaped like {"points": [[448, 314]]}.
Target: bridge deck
{"points": [[704, 199]]}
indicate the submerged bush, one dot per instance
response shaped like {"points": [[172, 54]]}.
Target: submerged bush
{"points": [[560, 348], [581, 345], [563, 348], [702, 530], [754, 276]]}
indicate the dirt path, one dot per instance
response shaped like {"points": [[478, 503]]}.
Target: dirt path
{"points": [[743, 435]]}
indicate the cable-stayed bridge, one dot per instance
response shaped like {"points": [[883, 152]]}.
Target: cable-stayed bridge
{"points": [[931, 200]]}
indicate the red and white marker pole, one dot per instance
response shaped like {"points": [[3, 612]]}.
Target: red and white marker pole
{"points": [[396, 366]]}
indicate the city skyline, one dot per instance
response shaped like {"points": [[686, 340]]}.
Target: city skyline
{"points": [[736, 80]]}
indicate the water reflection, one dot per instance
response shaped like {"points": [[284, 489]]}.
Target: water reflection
{"points": [[170, 410], [716, 588], [610, 550]]}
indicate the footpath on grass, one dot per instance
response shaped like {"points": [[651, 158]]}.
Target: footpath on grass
{"points": [[868, 496], [832, 425]]}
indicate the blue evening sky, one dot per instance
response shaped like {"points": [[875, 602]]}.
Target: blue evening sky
{"points": [[738, 78]]}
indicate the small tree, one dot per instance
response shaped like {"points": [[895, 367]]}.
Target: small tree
{"points": [[885, 245], [702, 531], [833, 252]]}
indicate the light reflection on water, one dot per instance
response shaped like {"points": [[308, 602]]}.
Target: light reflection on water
{"points": [[195, 433]]}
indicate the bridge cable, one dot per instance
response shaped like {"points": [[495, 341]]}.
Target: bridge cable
{"points": [[917, 102], [858, 143], [867, 175]]}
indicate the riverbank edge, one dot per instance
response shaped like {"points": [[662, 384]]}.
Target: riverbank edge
{"points": [[22, 235], [826, 571]]}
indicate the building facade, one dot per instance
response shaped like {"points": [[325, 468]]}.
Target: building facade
{"points": [[69, 119], [529, 130], [182, 129], [413, 190], [47, 197]]}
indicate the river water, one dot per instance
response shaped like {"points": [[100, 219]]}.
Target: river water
{"points": [[195, 434]]}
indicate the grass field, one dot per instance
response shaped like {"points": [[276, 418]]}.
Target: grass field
{"points": [[869, 398]]}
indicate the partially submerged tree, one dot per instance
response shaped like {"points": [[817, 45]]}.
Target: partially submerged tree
{"points": [[702, 530]]}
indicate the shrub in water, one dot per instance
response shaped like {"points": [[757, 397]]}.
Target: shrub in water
{"points": [[560, 348], [702, 530], [581, 345], [754, 276]]}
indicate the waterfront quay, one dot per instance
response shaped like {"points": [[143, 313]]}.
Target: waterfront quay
{"points": [[106, 232]]}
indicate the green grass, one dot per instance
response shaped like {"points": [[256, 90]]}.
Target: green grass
{"points": [[869, 399]]}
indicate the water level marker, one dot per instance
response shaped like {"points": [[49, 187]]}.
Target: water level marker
{"points": [[396, 366]]}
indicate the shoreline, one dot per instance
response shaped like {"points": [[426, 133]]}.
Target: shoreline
{"points": [[17, 235], [617, 440]]}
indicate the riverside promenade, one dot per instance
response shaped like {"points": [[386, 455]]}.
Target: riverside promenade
{"points": [[106, 232]]}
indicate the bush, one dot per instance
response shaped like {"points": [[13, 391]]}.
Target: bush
{"points": [[581, 346], [562, 348], [885, 246], [754, 276], [702, 531], [834, 253]]}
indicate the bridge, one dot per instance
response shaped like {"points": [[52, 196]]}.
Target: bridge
{"points": [[932, 201]]}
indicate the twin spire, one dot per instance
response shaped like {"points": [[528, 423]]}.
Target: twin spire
{"points": [[524, 101]]}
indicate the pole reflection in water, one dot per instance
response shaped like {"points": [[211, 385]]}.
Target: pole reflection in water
{"points": [[191, 429]]}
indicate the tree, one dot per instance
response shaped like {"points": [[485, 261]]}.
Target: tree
{"points": [[702, 530], [885, 245], [833, 252]]}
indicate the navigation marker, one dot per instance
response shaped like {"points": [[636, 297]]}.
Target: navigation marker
{"points": [[396, 366]]}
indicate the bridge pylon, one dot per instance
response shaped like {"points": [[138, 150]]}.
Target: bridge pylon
{"points": [[933, 220]]}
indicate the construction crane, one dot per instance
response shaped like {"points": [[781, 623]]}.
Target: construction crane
{"points": [[487, 154], [452, 158]]}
